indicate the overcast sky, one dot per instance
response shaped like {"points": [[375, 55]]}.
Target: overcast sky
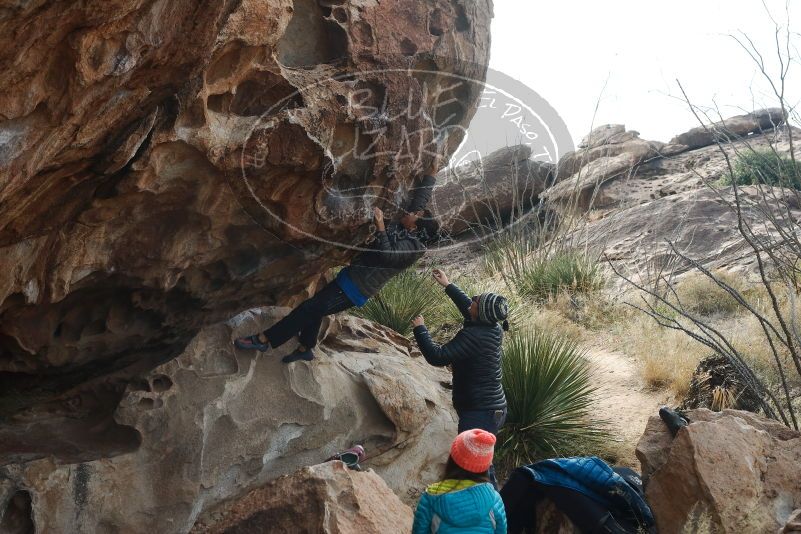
{"points": [[629, 53]]}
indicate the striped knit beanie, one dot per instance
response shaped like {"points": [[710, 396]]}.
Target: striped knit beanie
{"points": [[492, 308], [472, 450]]}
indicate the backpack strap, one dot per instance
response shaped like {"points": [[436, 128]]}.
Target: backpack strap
{"points": [[435, 522]]}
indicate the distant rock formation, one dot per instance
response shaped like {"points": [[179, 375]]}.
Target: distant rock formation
{"points": [[635, 197], [698, 222], [614, 168], [491, 191], [736, 468], [214, 424], [731, 129]]}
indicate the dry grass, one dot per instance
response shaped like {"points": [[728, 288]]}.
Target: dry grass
{"points": [[594, 311], [549, 320], [701, 295], [669, 357], [748, 337], [699, 521]]}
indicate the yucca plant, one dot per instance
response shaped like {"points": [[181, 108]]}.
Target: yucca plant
{"points": [[406, 296], [560, 271], [549, 396]]}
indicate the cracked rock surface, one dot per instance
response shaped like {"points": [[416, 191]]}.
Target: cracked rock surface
{"points": [[215, 424], [166, 164]]}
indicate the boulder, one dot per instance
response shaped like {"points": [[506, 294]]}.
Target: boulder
{"points": [[738, 468], [213, 424], [322, 499], [607, 134], [757, 122], [606, 153], [166, 164], [699, 222], [490, 191]]}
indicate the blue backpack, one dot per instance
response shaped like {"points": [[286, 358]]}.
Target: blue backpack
{"points": [[596, 498]]}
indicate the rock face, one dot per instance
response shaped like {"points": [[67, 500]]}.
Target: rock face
{"points": [[699, 222], [148, 150], [763, 120], [614, 169], [491, 191], [739, 468], [214, 424], [793, 523], [322, 499], [607, 153]]}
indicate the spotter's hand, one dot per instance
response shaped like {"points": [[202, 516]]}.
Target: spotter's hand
{"points": [[441, 277]]}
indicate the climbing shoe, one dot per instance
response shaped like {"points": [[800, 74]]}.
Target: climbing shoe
{"points": [[350, 457], [296, 355], [251, 343], [672, 419]]}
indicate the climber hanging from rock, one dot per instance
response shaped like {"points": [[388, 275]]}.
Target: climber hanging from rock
{"points": [[474, 354], [394, 249]]}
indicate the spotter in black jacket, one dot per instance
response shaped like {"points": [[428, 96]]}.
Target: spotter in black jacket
{"points": [[475, 356]]}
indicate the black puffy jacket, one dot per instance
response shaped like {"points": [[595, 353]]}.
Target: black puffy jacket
{"points": [[393, 251], [474, 355]]}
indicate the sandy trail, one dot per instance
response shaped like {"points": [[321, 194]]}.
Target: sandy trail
{"points": [[623, 398]]}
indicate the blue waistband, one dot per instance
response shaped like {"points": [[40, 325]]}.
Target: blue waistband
{"points": [[346, 284]]}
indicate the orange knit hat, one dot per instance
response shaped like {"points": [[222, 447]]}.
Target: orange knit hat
{"points": [[472, 450]]}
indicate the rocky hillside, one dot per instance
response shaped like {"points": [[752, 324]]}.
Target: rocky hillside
{"points": [[635, 194]]}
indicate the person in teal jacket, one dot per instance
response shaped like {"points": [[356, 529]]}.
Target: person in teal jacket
{"points": [[464, 501]]}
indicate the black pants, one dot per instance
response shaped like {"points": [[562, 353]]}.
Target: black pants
{"points": [[489, 420], [305, 320]]}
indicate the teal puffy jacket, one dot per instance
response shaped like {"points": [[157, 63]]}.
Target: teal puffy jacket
{"points": [[475, 510]]}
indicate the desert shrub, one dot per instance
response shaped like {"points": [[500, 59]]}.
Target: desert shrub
{"points": [[593, 311], [403, 298], [700, 294], [562, 271], [549, 395], [668, 356], [764, 167], [748, 337]]}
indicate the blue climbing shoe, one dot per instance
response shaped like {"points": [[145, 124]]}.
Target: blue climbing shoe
{"points": [[251, 343], [296, 355]]}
